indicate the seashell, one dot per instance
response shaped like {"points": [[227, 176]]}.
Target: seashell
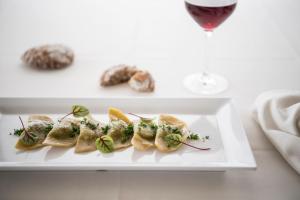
{"points": [[48, 56], [117, 74], [142, 81]]}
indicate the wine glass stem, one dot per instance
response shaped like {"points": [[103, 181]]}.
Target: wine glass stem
{"points": [[206, 53]]}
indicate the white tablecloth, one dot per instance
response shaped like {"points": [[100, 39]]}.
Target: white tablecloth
{"points": [[257, 49]]}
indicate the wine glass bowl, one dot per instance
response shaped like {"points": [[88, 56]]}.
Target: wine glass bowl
{"points": [[209, 18], [208, 14]]}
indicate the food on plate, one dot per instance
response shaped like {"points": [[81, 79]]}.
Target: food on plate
{"points": [[115, 114], [33, 136], [87, 134], [64, 134], [144, 134], [105, 144], [49, 56], [171, 133], [120, 128], [117, 74], [142, 81], [77, 111], [90, 130], [117, 133]]}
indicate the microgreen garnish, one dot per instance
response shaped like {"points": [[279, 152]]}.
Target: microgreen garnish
{"points": [[142, 118], [127, 134], [105, 129], [105, 144], [173, 140], [77, 111], [143, 124], [193, 136], [171, 129], [18, 132], [27, 138], [153, 127], [49, 127], [75, 129], [89, 124]]}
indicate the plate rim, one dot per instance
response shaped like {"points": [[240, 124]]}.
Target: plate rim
{"points": [[225, 165]]}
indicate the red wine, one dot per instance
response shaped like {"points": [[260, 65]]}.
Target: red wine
{"points": [[209, 14]]}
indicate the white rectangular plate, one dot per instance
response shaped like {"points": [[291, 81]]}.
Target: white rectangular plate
{"points": [[213, 117]]}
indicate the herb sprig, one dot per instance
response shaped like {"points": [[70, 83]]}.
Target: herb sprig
{"points": [[145, 119], [27, 138], [127, 134], [193, 136], [175, 139], [77, 111], [174, 130], [49, 127], [105, 129], [105, 144], [17, 132], [89, 124]]}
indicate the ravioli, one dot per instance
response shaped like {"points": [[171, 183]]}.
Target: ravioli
{"points": [[170, 126], [120, 128], [64, 134], [121, 134], [38, 126], [144, 134], [90, 130]]}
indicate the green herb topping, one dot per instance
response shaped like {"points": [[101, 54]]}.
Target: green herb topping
{"points": [[27, 138], [89, 124], [153, 127], [127, 133], [105, 129], [77, 111], [143, 124], [172, 140], [171, 129], [175, 137], [105, 144], [18, 132], [75, 130], [48, 128], [193, 136]]}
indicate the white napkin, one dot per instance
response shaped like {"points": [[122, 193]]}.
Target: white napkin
{"points": [[278, 113]]}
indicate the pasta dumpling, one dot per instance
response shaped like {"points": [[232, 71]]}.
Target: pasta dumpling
{"points": [[90, 130], [144, 134], [38, 128], [170, 133], [64, 134], [120, 129]]}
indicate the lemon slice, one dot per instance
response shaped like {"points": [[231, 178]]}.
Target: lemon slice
{"points": [[115, 113]]}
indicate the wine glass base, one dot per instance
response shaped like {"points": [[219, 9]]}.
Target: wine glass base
{"points": [[206, 84]]}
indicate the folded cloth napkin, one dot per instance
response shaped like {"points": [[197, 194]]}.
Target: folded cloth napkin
{"points": [[278, 113]]}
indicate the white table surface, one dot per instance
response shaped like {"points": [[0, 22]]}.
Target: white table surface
{"points": [[257, 49]]}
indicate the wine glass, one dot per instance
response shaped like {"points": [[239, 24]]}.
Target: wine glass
{"points": [[209, 14]]}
